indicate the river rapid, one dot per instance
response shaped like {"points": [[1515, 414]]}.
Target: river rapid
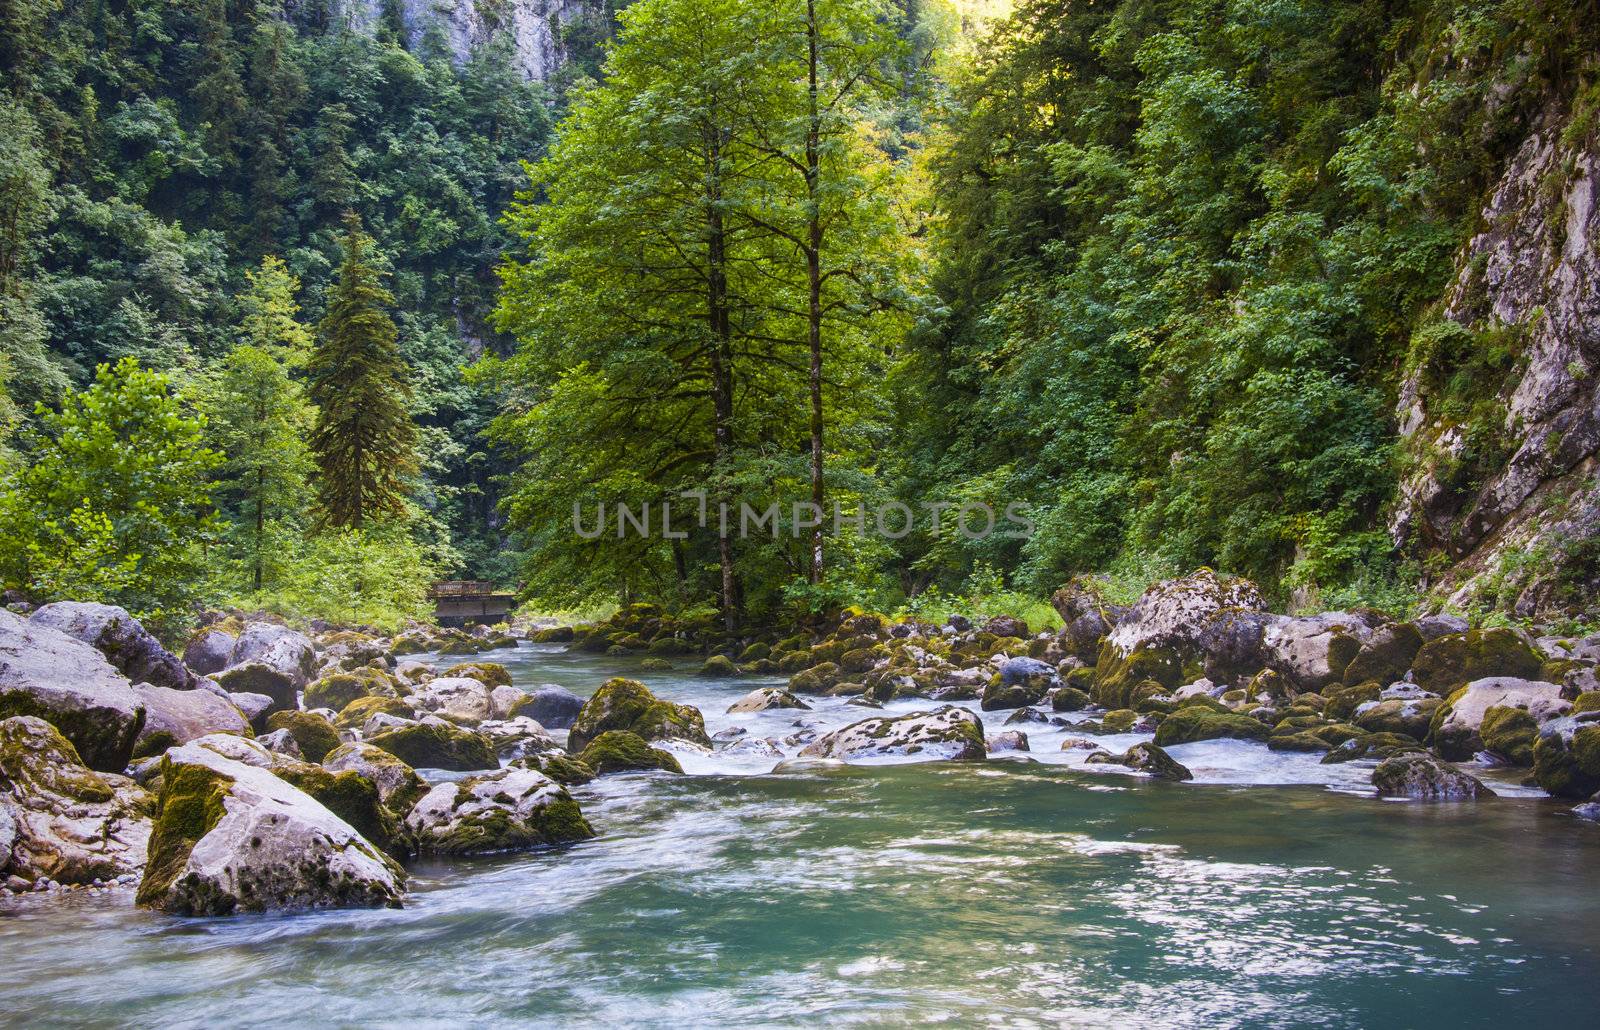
{"points": [[1026, 890]]}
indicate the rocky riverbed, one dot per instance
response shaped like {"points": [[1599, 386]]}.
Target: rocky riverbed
{"points": [[368, 773]]}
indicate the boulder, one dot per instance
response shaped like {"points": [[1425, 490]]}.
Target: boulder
{"points": [[1457, 723], [209, 651], [399, 786], [173, 717], [1371, 745], [555, 707], [1149, 759], [1196, 722], [1420, 775], [255, 708], [1164, 631], [514, 738], [336, 690], [509, 810], [1410, 717], [1086, 618], [261, 678], [564, 769], [282, 742], [69, 684], [59, 820], [1020, 681], [114, 633], [1566, 757], [621, 751], [354, 715], [1386, 655], [719, 666], [948, 733], [279, 647], [1315, 651], [1006, 626], [1010, 740], [460, 699], [490, 674], [233, 837], [314, 734], [624, 704], [765, 699], [1447, 662], [435, 745]]}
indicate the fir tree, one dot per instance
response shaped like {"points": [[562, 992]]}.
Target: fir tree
{"points": [[364, 442]]}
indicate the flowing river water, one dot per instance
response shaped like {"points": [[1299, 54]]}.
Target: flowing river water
{"points": [[1271, 891]]}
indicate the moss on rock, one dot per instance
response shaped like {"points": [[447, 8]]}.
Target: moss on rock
{"points": [[621, 751], [315, 735], [438, 746], [624, 704], [1191, 724], [1447, 662]]}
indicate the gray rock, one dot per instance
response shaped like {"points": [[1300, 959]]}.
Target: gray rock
{"points": [[268, 846], [555, 707], [129, 646], [256, 708], [1010, 740], [1147, 758], [1314, 651], [949, 733], [766, 699], [175, 717], [1456, 735], [46, 673], [262, 678], [398, 784], [209, 651], [460, 699], [281, 742]]}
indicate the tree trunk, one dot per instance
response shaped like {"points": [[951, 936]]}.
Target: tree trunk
{"points": [[814, 281]]}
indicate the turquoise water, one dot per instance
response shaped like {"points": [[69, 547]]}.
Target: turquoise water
{"points": [[1007, 893]]}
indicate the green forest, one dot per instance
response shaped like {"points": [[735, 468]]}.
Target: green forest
{"points": [[300, 315]]}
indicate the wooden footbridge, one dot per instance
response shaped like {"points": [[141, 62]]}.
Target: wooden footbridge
{"points": [[466, 602]]}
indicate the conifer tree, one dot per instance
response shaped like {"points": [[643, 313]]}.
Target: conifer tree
{"points": [[364, 443]]}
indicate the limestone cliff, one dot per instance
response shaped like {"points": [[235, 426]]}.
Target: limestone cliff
{"points": [[1498, 411]]}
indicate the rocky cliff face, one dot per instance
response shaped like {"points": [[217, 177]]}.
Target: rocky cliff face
{"points": [[1499, 412], [531, 28]]}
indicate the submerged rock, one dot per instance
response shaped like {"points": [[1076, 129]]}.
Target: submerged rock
{"points": [[59, 820], [624, 704], [1146, 758], [1420, 775], [949, 733], [233, 837], [509, 810], [69, 684]]}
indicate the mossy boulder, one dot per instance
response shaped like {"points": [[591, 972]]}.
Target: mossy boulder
{"points": [[1386, 655], [818, 679], [1342, 702], [232, 837], [1321, 737], [1422, 776], [399, 786], [354, 715], [1411, 717], [755, 652], [1509, 733], [670, 645], [490, 674], [1446, 663], [551, 635], [1117, 675], [1069, 699], [337, 690], [1456, 731], [1119, 720], [510, 810], [564, 769], [315, 735], [1371, 745], [719, 666], [434, 745], [1188, 725], [624, 704], [620, 751], [1588, 701], [353, 798], [1566, 757]]}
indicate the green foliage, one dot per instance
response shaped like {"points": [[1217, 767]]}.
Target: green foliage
{"points": [[364, 442], [116, 503], [377, 576]]}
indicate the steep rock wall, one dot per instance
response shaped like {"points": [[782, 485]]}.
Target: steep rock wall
{"points": [[1500, 419]]}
